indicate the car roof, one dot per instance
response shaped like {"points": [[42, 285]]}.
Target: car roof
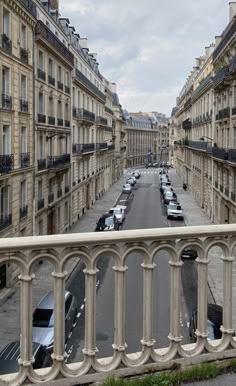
{"points": [[48, 300], [121, 206]]}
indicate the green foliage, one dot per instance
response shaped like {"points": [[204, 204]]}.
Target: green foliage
{"points": [[178, 377]]}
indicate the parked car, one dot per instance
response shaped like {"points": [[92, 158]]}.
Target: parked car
{"points": [[174, 211], [163, 184], [131, 181], [166, 188], [136, 174], [189, 253], [107, 222], [127, 188], [169, 196], [43, 319], [214, 322], [11, 353], [119, 213]]}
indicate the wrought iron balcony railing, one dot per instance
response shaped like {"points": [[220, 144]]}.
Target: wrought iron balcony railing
{"points": [[41, 74], [187, 124], [67, 89], [51, 80], [24, 55], [42, 164], [23, 106], [227, 35], [117, 246], [44, 33], [232, 155], [83, 148], [221, 77], [6, 44], [50, 197], [108, 110], [83, 114], [25, 160], [67, 123], [60, 85], [51, 120], [101, 121], [101, 146], [40, 203], [61, 161], [224, 113], [60, 121], [5, 221], [201, 145], [67, 188], [6, 163], [59, 193], [23, 211], [220, 153], [87, 83], [6, 102], [233, 110], [111, 147], [41, 118]]}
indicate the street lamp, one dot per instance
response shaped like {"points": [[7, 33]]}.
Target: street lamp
{"points": [[61, 136], [204, 136]]}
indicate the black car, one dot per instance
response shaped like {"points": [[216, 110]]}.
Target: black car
{"points": [[107, 222], [214, 322], [11, 353], [189, 253]]}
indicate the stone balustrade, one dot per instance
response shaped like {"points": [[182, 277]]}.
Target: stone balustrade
{"points": [[59, 249]]}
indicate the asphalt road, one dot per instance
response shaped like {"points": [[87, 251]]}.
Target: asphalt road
{"points": [[145, 210]]}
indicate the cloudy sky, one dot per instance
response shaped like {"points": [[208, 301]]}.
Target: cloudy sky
{"points": [[147, 47]]}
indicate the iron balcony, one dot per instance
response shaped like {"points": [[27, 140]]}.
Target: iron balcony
{"points": [[6, 44], [221, 77], [101, 121], [42, 164], [83, 115], [51, 120], [23, 106], [41, 74], [101, 146], [83, 148], [23, 211], [60, 85], [24, 56], [89, 85], [6, 102], [40, 203], [50, 197], [58, 162], [5, 221], [41, 118], [220, 153], [51, 80], [25, 160], [6, 163]]}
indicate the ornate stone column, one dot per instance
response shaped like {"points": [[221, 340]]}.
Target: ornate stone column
{"points": [[148, 340], [90, 312]]}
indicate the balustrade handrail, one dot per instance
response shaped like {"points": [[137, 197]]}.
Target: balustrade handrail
{"points": [[59, 249], [86, 82]]}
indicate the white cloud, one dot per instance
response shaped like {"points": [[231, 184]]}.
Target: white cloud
{"points": [[147, 47]]}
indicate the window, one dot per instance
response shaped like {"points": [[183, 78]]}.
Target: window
{"points": [[23, 193], [4, 202], [23, 36], [50, 107], [23, 140], [6, 22], [50, 67], [5, 80], [67, 79], [41, 103], [40, 190], [59, 110], [66, 111], [40, 227], [6, 140], [41, 150], [59, 73], [41, 61], [23, 88]]}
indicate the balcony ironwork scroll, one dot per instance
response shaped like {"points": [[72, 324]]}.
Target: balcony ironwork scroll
{"points": [[58, 161], [6, 44], [6, 102], [6, 163], [220, 153], [42, 164], [23, 106], [41, 74], [25, 160]]}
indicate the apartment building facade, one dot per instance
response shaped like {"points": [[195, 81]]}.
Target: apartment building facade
{"points": [[205, 151], [17, 23]]}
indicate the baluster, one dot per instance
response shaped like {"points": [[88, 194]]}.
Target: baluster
{"points": [[59, 304], [175, 280], [119, 320], [90, 312], [26, 319], [227, 301], [202, 297], [148, 340]]}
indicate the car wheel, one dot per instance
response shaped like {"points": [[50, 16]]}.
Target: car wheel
{"points": [[169, 217]]}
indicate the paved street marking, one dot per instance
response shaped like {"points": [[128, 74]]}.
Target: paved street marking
{"points": [[82, 307], [70, 334], [78, 315]]}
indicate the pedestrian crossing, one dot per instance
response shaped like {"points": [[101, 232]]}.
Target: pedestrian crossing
{"points": [[143, 172]]}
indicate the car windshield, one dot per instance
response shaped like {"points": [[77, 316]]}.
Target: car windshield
{"points": [[117, 211], [109, 221], [169, 193], [43, 317], [126, 186]]}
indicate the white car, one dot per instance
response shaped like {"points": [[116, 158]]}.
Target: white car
{"points": [[127, 188], [119, 213], [174, 210]]}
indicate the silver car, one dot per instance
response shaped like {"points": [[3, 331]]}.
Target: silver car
{"points": [[127, 188], [43, 319], [119, 213]]}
